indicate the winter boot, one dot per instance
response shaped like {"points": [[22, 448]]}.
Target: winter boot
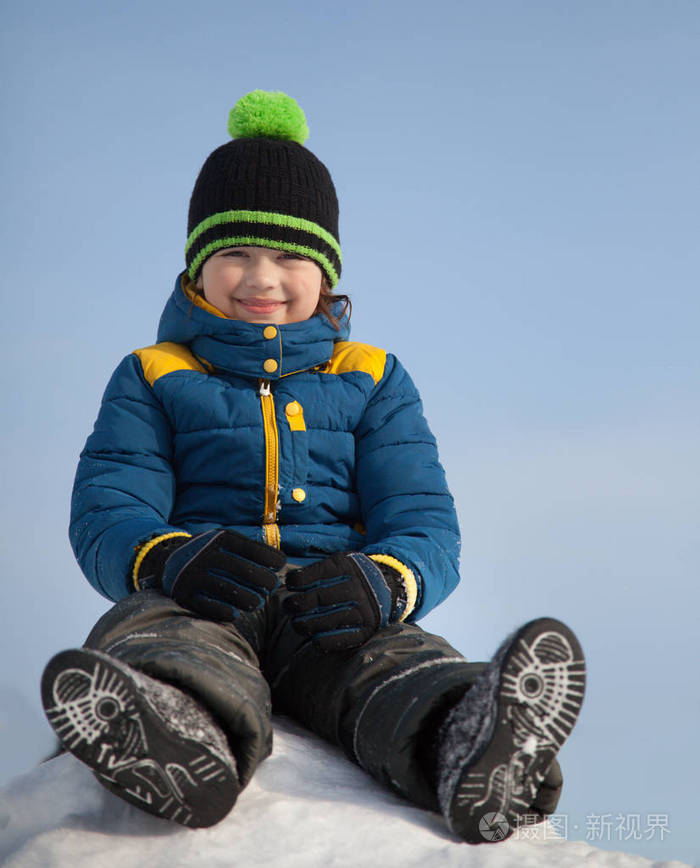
{"points": [[496, 746], [146, 741]]}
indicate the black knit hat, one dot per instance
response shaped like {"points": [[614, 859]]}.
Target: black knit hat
{"points": [[265, 189]]}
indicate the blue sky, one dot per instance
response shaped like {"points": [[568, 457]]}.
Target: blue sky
{"points": [[519, 187]]}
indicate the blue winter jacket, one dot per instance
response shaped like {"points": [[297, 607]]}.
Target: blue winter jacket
{"points": [[290, 434]]}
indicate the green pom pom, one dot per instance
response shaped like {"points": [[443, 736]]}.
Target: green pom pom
{"points": [[264, 114]]}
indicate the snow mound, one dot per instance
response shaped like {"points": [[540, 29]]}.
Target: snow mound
{"points": [[307, 806]]}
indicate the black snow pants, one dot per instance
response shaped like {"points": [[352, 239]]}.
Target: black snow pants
{"points": [[379, 702]]}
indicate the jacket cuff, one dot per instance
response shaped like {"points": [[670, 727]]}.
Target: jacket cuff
{"points": [[406, 577], [141, 575]]}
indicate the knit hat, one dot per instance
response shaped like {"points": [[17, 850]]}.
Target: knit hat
{"points": [[265, 189]]}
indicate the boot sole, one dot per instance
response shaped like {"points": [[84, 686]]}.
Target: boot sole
{"points": [[539, 696], [103, 717]]}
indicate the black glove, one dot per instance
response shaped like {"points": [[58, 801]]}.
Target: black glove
{"points": [[218, 574], [342, 601]]}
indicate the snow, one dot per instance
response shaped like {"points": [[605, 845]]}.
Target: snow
{"points": [[307, 806]]}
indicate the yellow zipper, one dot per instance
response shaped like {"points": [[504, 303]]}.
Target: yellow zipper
{"points": [[270, 528]]}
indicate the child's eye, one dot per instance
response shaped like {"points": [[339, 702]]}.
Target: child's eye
{"points": [[233, 252], [294, 256]]}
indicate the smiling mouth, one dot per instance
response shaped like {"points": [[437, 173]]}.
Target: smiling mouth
{"points": [[260, 303]]}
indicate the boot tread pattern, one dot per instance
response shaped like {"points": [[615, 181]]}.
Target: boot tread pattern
{"points": [[103, 718], [541, 691]]}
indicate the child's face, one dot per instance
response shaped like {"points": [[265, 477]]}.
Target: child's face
{"points": [[261, 284]]}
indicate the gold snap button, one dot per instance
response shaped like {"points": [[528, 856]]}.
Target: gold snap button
{"points": [[270, 366], [299, 495], [292, 408], [269, 332]]}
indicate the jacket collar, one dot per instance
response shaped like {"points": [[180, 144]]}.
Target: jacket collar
{"points": [[248, 349]]}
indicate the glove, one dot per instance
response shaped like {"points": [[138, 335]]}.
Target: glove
{"points": [[342, 601], [218, 574]]}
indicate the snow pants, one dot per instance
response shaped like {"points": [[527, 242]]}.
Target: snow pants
{"points": [[380, 703]]}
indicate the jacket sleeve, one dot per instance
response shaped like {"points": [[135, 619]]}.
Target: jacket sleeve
{"points": [[124, 486], [408, 511]]}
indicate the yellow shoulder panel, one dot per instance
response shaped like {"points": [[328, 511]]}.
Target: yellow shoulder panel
{"points": [[351, 356], [161, 359]]}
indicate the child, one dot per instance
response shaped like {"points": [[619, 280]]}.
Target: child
{"points": [[263, 500]]}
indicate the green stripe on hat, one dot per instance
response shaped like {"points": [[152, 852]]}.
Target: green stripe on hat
{"points": [[249, 241], [272, 219]]}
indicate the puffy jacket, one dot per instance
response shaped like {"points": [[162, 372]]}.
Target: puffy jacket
{"points": [[290, 434]]}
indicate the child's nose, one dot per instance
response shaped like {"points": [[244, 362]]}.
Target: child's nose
{"points": [[261, 273]]}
